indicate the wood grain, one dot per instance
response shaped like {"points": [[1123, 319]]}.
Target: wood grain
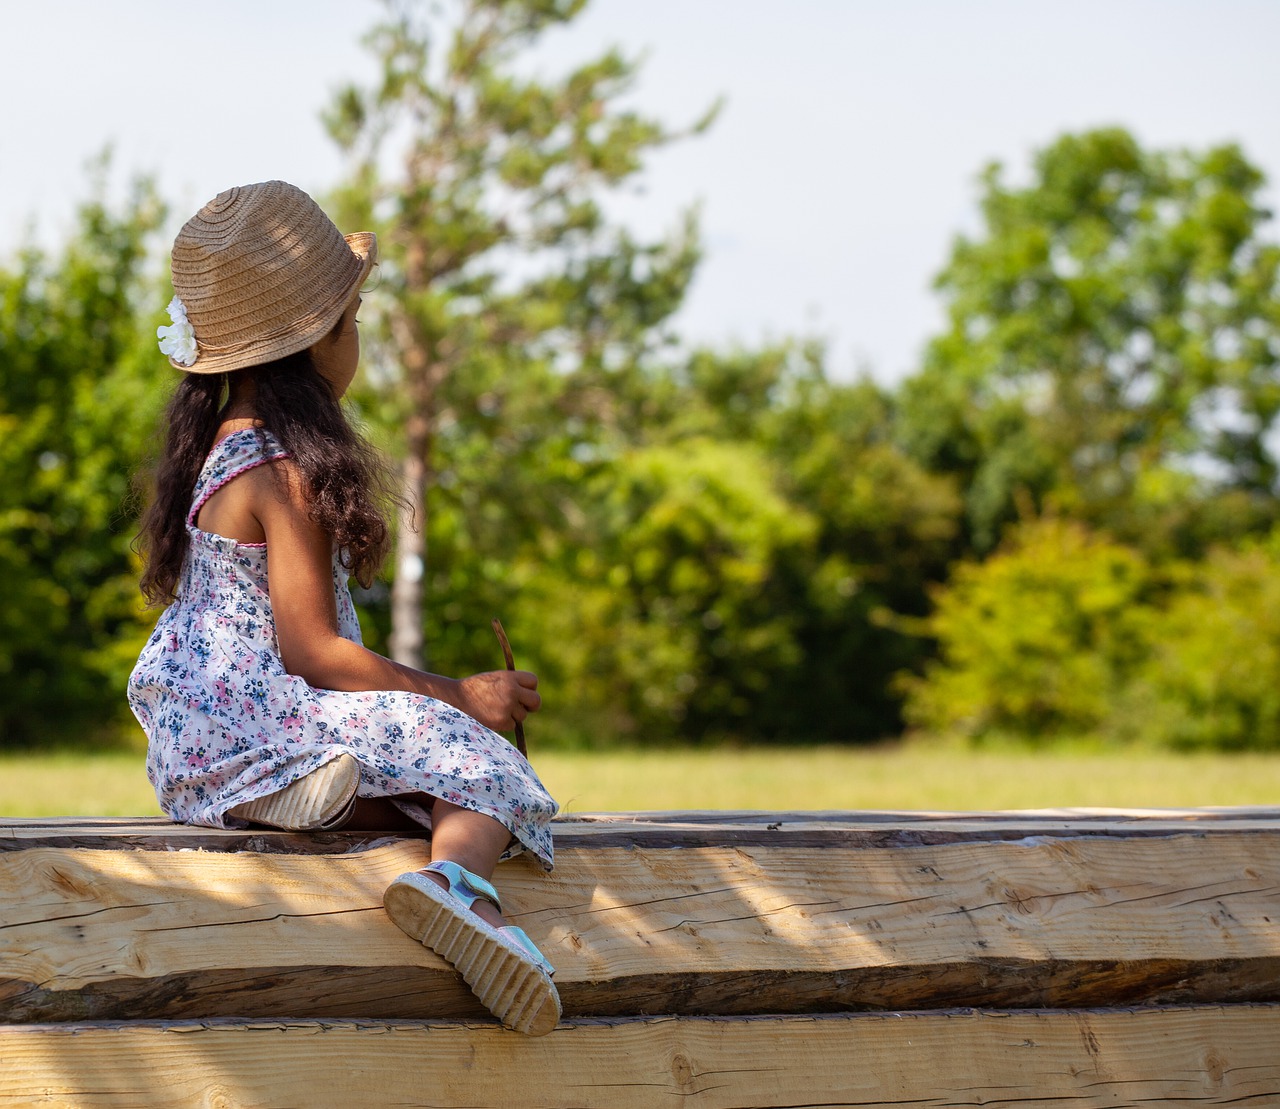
{"points": [[1200, 1056], [1037, 921], [674, 829]]}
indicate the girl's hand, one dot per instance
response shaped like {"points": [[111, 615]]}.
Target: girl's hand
{"points": [[499, 699]]}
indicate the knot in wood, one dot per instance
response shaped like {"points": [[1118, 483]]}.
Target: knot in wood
{"points": [[682, 1071]]}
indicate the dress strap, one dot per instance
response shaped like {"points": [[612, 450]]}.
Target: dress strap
{"points": [[232, 456]]}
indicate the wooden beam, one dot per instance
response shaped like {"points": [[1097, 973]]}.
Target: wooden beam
{"points": [[672, 829], [1199, 1056], [1034, 921]]}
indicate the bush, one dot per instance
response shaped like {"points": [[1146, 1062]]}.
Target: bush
{"points": [[1212, 678], [667, 623], [1039, 640]]}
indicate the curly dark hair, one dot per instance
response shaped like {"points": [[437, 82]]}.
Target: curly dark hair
{"points": [[348, 485]]}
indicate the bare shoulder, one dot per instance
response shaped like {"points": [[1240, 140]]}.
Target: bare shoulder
{"points": [[280, 500], [276, 487], [242, 508]]}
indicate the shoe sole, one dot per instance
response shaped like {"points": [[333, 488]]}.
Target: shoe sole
{"points": [[320, 801], [506, 982]]}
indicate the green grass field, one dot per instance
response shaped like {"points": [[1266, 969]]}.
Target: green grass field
{"points": [[909, 776]]}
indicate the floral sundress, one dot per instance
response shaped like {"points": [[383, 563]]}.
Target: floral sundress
{"points": [[226, 723]]}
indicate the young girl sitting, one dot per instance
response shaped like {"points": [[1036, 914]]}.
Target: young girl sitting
{"points": [[259, 702]]}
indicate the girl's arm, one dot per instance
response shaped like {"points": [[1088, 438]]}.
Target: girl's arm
{"points": [[300, 580]]}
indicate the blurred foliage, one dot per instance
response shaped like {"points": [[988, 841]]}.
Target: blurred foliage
{"points": [[667, 619], [1109, 377], [1212, 676], [79, 393], [507, 306], [1038, 639], [1063, 525], [1065, 633], [1113, 347]]}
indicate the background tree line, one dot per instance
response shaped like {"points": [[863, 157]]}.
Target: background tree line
{"points": [[1063, 523]]}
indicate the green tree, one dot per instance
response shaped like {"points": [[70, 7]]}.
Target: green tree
{"points": [[858, 531], [888, 531], [883, 530], [1113, 344], [1212, 679], [508, 303], [79, 396], [662, 611], [1041, 638]]}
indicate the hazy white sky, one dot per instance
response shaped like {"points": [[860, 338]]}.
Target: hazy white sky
{"points": [[831, 186]]}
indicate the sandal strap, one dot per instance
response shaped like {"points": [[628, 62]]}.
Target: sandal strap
{"points": [[521, 937], [464, 885]]}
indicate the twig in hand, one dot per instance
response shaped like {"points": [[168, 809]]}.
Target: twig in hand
{"points": [[511, 665]]}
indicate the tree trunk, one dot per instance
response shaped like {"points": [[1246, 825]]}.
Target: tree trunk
{"points": [[409, 587], [407, 614]]}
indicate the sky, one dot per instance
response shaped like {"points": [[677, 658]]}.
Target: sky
{"points": [[831, 186]]}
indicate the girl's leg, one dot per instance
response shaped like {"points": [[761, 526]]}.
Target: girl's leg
{"points": [[470, 839], [378, 814], [473, 841], [508, 974]]}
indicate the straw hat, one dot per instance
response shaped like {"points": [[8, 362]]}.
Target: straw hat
{"points": [[262, 273]]}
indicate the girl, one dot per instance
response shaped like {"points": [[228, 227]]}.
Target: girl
{"points": [[259, 702]]}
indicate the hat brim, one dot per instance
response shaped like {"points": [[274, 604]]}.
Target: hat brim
{"points": [[364, 245]]}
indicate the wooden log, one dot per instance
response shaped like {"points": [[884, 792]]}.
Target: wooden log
{"points": [[1217, 1055], [1040, 920], [670, 829]]}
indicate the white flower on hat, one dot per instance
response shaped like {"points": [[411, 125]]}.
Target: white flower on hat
{"points": [[178, 340]]}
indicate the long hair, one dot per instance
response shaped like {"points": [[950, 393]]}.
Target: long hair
{"points": [[192, 421], [346, 481]]}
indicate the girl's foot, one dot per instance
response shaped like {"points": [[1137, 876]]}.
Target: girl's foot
{"points": [[498, 961], [320, 801]]}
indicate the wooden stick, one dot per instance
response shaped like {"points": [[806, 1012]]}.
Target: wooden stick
{"points": [[511, 665]]}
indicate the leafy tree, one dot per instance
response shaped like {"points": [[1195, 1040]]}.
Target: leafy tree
{"points": [[863, 530], [662, 612], [1064, 631], [1212, 679], [1039, 639], [508, 303], [78, 400], [888, 531], [883, 530], [1113, 344]]}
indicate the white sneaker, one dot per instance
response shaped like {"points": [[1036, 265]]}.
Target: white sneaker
{"points": [[322, 801]]}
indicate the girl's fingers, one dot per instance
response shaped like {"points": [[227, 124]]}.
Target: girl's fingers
{"points": [[526, 691], [502, 698]]}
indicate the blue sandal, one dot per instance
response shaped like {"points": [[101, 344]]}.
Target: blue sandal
{"points": [[501, 965]]}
